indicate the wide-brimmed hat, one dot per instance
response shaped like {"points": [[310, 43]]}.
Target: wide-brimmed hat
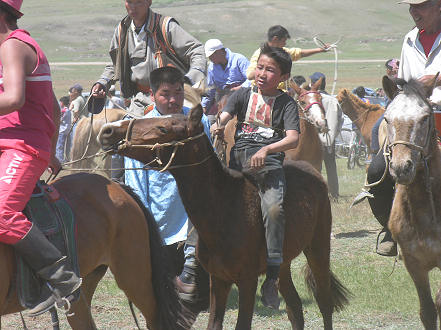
{"points": [[15, 6], [212, 45], [413, 2]]}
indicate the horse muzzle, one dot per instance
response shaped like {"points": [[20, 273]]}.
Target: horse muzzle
{"points": [[403, 172], [108, 137]]}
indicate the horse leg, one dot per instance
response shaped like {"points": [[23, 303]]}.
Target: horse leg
{"points": [[82, 316], [219, 291], [420, 277], [438, 304], [291, 296], [247, 297]]}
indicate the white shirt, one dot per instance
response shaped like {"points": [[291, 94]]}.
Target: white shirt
{"points": [[414, 63]]}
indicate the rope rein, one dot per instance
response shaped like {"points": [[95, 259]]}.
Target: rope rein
{"points": [[334, 47]]}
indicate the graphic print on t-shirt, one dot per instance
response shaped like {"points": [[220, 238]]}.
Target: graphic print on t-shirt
{"points": [[258, 118]]}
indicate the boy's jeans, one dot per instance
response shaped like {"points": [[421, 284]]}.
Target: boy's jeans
{"points": [[272, 188]]}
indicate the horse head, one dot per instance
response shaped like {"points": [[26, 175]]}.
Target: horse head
{"points": [[410, 127], [151, 140], [310, 104]]}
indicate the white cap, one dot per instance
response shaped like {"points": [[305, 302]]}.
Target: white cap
{"points": [[212, 45]]}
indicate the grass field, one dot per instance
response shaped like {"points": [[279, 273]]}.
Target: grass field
{"points": [[383, 296]]}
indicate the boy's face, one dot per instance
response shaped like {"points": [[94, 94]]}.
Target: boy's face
{"points": [[268, 75], [169, 98], [278, 42]]}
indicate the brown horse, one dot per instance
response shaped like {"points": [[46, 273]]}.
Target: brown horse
{"points": [[362, 114], [224, 206], [114, 230], [312, 120], [85, 144], [415, 165]]}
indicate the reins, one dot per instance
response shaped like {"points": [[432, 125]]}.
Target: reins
{"points": [[125, 143]]}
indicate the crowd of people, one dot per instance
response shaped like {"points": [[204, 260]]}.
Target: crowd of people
{"points": [[152, 58]]}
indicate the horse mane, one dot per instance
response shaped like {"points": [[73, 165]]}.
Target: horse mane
{"points": [[345, 94], [170, 308], [412, 87]]}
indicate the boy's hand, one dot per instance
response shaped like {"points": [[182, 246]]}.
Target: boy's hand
{"points": [[258, 159], [217, 130]]}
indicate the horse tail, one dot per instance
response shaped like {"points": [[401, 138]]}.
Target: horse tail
{"points": [[170, 308], [339, 293]]}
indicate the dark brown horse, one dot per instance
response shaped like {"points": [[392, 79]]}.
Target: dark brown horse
{"points": [[224, 206], [415, 165], [114, 230], [362, 114]]}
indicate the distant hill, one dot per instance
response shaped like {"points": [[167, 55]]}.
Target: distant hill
{"points": [[80, 30]]}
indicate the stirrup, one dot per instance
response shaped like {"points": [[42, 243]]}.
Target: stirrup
{"points": [[361, 197]]}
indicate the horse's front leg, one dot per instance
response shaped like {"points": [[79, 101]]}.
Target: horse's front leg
{"points": [[420, 277], [219, 290], [247, 296]]}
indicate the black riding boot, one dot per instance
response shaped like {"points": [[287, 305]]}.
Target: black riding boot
{"points": [[51, 266], [381, 204]]}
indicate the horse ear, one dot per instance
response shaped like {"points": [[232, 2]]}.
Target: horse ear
{"points": [[295, 87], [194, 118], [316, 86], [390, 87]]}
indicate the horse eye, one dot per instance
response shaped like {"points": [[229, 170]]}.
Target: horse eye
{"points": [[162, 129]]}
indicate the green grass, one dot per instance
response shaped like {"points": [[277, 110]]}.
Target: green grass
{"points": [[384, 296]]}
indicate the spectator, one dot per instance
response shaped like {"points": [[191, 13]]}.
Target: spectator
{"points": [[334, 118], [77, 103], [226, 72], [63, 142]]}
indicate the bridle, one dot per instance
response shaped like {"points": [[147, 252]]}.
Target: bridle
{"points": [[305, 109], [126, 143]]}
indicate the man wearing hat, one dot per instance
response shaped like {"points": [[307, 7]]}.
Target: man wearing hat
{"points": [[226, 72], [334, 118], [420, 59], [77, 103], [143, 41], [29, 121]]}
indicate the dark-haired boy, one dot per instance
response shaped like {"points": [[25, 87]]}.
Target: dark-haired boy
{"points": [[268, 124], [158, 191]]}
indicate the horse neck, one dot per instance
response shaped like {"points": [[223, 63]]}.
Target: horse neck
{"points": [[353, 110], [201, 187]]}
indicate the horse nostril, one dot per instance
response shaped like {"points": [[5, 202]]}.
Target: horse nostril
{"points": [[107, 132]]}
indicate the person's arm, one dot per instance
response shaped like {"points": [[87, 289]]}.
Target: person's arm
{"points": [[189, 50], [18, 60], [100, 87], [312, 51], [290, 141], [235, 102]]}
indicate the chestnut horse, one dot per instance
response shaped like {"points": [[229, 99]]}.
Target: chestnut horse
{"points": [[114, 230], [312, 120], [363, 115], [224, 207], [415, 165]]}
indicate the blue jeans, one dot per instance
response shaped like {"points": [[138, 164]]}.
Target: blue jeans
{"points": [[272, 187]]}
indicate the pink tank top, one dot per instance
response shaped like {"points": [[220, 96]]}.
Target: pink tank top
{"points": [[33, 123]]}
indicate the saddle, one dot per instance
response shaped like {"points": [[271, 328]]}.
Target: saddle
{"points": [[54, 217]]}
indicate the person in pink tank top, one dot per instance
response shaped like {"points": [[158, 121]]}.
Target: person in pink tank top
{"points": [[29, 120]]}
